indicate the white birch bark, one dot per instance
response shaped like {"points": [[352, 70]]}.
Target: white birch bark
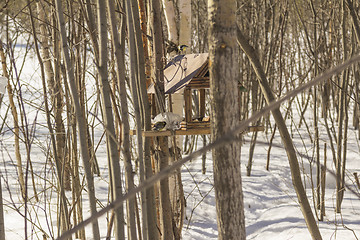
{"points": [[184, 39], [16, 122], [170, 17], [185, 24]]}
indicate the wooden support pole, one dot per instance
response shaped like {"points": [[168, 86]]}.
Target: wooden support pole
{"points": [[188, 105], [202, 103]]}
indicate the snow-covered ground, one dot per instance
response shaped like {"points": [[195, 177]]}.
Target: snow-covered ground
{"points": [[271, 207]]}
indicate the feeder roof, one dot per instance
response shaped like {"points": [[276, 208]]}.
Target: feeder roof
{"points": [[179, 72]]}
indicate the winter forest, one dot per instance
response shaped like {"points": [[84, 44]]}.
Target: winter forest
{"points": [[179, 119]]}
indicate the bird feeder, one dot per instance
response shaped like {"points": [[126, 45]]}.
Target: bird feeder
{"points": [[186, 74]]}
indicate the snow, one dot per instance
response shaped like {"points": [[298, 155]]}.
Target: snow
{"points": [[271, 207]]}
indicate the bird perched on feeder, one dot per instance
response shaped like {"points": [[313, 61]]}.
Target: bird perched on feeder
{"points": [[167, 121], [173, 47], [159, 125], [182, 48]]}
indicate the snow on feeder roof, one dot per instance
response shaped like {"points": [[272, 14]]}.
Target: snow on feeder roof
{"points": [[183, 70]]}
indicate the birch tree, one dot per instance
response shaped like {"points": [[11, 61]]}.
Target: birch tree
{"points": [[185, 24], [63, 223], [342, 121], [56, 94], [14, 113], [2, 222], [170, 17]]}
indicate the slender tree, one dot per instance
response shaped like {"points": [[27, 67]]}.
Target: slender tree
{"points": [[56, 93], [14, 113], [80, 118], [148, 197], [63, 213], [341, 136], [137, 110], [113, 155], [162, 156], [2, 222]]}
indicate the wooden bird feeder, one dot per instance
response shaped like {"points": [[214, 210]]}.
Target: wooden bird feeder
{"points": [[186, 74]]}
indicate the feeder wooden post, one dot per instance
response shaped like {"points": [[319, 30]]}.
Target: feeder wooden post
{"points": [[188, 105], [201, 103]]}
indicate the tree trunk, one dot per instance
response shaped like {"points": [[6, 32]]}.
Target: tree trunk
{"points": [[177, 106], [341, 117], [355, 19], [166, 220], [112, 148], [224, 75], [150, 230], [56, 96], [63, 223], [170, 17], [134, 91], [162, 142], [185, 23], [16, 123]]}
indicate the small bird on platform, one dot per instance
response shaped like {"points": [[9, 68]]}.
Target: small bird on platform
{"points": [[167, 121], [159, 126]]}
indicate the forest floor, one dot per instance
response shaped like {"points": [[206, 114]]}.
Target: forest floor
{"points": [[271, 207]]}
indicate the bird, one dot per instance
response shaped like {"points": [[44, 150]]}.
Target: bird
{"points": [[173, 47], [167, 121], [159, 125], [182, 48], [242, 88]]}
